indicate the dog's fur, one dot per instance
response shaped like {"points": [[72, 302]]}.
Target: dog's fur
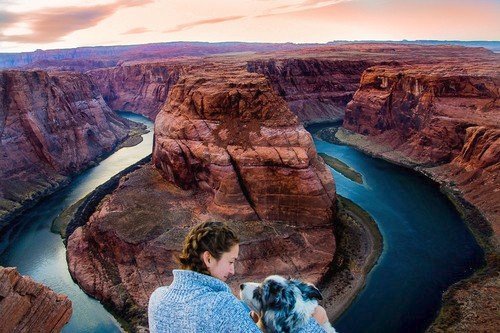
{"points": [[284, 305]]}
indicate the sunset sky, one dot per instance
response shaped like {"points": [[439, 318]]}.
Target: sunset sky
{"points": [[26, 25]]}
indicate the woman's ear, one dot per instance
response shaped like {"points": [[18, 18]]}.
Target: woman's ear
{"points": [[207, 259]]}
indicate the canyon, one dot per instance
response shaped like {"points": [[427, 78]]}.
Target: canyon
{"points": [[84, 58], [443, 119], [209, 144], [137, 87], [228, 148], [27, 306], [230, 145], [52, 126]]}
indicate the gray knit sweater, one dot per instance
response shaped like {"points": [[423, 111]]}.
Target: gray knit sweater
{"points": [[197, 302]]}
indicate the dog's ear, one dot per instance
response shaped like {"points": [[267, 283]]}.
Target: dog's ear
{"points": [[271, 294], [309, 290], [275, 296]]}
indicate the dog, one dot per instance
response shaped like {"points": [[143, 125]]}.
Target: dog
{"points": [[284, 305]]}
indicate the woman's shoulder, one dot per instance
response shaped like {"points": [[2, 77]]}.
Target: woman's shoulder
{"points": [[157, 296]]}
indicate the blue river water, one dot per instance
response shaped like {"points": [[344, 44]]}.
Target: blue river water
{"points": [[427, 246], [36, 251]]}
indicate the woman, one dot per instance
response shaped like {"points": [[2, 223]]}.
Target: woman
{"points": [[198, 300]]}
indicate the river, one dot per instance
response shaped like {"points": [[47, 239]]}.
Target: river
{"points": [[426, 245], [31, 247]]}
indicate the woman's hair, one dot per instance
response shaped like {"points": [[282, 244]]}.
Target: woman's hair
{"points": [[214, 237]]}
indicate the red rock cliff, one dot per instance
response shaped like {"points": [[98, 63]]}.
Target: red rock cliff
{"points": [[51, 126], [226, 148], [443, 116], [27, 306], [234, 137], [140, 88], [315, 89]]}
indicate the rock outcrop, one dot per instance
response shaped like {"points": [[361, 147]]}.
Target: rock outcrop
{"points": [[226, 148], [443, 117], [315, 89], [52, 125], [28, 306], [137, 87]]}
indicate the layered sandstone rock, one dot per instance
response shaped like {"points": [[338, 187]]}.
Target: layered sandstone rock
{"points": [[136, 87], [226, 148], [230, 134], [52, 125], [27, 306], [444, 117], [315, 89]]}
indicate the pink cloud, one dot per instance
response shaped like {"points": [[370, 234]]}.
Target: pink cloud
{"points": [[140, 30], [190, 25], [304, 5], [51, 24]]}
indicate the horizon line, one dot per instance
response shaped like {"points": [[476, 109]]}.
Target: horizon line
{"points": [[267, 43]]}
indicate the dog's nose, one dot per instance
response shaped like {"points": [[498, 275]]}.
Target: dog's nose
{"points": [[242, 286]]}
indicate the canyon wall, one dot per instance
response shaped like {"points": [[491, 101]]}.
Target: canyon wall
{"points": [[27, 306], [226, 148], [52, 125], [317, 83], [315, 89], [437, 116], [140, 88]]}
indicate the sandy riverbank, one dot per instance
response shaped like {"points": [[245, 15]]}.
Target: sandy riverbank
{"points": [[359, 245]]}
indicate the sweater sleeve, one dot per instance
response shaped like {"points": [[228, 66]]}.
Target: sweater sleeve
{"points": [[154, 302], [234, 317]]}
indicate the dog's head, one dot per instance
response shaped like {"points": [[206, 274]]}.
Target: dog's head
{"points": [[284, 305]]}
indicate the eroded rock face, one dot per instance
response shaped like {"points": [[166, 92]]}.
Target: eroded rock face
{"points": [[315, 89], [140, 88], [444, 117], [423, 110], [234, 137], [226, 148], [27, 306], [51, 127]]}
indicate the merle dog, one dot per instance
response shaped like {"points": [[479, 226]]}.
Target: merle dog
{"points": [[284, 305]]}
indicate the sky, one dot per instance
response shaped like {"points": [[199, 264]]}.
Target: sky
{"points": [[27, 25]]}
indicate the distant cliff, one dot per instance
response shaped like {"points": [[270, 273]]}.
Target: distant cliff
{"points": [[52, 125], [435, 116], [315, 89], [40, 58], [27, 306], [140, 88]]}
